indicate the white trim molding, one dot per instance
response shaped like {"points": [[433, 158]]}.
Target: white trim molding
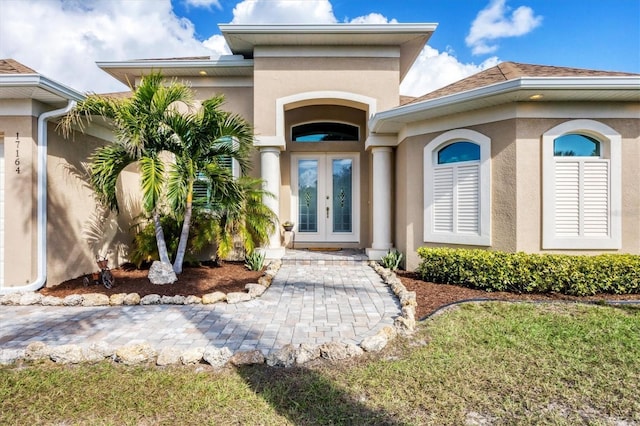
{"points": [[611, 154], [481, 237]]}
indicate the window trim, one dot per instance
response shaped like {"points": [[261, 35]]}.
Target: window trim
{"points": [[610, 148], [430, 154]]}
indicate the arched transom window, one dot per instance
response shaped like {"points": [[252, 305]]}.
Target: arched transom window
{"points": [[325, 131]]}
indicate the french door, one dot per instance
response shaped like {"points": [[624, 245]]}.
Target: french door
{"points": [[326, 197]]}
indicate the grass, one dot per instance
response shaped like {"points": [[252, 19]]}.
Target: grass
{"points": [[500, 362]]}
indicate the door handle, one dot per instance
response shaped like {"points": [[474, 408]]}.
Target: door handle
{"points": [[327, 212]]}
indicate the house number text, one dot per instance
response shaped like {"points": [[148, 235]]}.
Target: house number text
{"points": [[17, 162]]}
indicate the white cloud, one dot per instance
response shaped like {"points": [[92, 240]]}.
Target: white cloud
{"points": [[373, 18], [283, 12], [434, 69], [491, 24], [63, 39], [204, 3]]}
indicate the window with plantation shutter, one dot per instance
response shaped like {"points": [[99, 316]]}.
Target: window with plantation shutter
{"points": [[581, 186], [457, 189]]}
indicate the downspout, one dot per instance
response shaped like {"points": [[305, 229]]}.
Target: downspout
{"points": [[41, 278]]}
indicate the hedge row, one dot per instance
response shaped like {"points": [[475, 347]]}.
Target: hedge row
{"points": [[531, 273]]}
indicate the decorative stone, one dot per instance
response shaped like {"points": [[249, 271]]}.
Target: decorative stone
{"points": [[255, 290], [37, 350], [30, 299], [162, 273], [9, 356], [265, 280], [217, 357], [307, 352], [135, 354], [192, 355], [285, 357], [215, 297], [12, 299], [192, 300], [237, 297], [52, 301], [169, 356], [97, 352], [374, 343], [404, 326], [247, 358], [353, 350], [72, 300], [334, 351], [172, 300], [409, 312], [408, 298], [389, 332], [151, 299], [67, 354], [132, 299], [95, 299], [117, 299]]}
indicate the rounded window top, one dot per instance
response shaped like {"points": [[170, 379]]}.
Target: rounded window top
{"points": [[576, 145], [325, 131], [458, 152]]}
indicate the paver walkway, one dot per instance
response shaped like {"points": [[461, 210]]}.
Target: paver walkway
{"points": [[315, 298]]}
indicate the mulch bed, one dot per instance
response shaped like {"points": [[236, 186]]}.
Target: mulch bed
{"points": [[233, 276]]}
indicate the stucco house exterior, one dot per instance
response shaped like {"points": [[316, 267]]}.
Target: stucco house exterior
{"points": [[518, 157]]}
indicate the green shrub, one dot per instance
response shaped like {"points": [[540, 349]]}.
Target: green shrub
{"points": [[531, 273], [254, 261], [391, 260]]}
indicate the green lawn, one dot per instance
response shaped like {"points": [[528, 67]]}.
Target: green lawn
{"points": [[506, 363]]}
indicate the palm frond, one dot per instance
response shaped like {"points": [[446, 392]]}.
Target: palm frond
{"points": [[152, 181], [106, 165]]}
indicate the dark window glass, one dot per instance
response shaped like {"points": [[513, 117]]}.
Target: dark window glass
{"points": [[574, 145], [459, 151], [320, 132]]}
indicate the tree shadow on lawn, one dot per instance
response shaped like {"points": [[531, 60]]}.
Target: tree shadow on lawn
{"points": [[306, 397]]}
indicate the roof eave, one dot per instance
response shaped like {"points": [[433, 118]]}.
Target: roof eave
{"points": [[393, 120], [38, 81]]}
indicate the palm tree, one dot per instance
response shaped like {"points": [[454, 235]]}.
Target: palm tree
{"points": [[141, 133]]}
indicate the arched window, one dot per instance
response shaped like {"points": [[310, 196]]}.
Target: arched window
{"points": [[325, 131], [581, 186], [457, 167]]}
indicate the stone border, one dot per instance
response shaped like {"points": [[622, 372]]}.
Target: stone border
{"points": [[97, 299], [288, 356]]}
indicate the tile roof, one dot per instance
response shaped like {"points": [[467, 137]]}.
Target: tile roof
{"points": [[11, 66], [506, 71]]}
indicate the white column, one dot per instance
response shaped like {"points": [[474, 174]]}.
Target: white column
{"points": [[381, 202], [270, 173]]}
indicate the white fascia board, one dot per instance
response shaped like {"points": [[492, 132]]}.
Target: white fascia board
{"points": [[41, 82], [406, 113], [169, 63], [328, 28]]}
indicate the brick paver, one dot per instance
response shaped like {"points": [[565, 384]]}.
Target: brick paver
{"points": [[312, 301]]}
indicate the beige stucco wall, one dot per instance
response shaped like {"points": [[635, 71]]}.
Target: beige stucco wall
{"points": [[516, 187], [20, 200]]}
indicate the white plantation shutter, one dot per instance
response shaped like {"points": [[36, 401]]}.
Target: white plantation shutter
{"points": [[443, 199], [468, 199], [582, 197]]}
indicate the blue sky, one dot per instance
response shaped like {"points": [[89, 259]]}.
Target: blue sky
{"points": [[64, 38]]}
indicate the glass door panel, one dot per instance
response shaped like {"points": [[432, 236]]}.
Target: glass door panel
{"points": [[308, 196], [342, 176]]}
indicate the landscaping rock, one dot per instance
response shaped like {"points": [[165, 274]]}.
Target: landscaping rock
{"points": [[265, 280], [97, 352], [95, 299], [285, 357], [192, 300], [9, 356], [404, 326], [215, 297], [217, 357], [192, 355], [12, 299], [374, 343], [37, 350], [408, 298], [117, 299], [135, 354], [67, 354], [237, 297], [334, 351], [52, 301], [162, 273], [172, 300], [132, 299], [169, 356], [30, 299], [307, 352], [151, 299], [72, 300], [247, 358], [255, 290], [409, 312]]}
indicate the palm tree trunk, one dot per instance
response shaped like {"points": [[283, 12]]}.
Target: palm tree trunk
{"points": [[162, 244], [184, 234]]}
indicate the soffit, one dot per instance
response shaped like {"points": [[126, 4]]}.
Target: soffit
{"points": [[36, 87]]}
